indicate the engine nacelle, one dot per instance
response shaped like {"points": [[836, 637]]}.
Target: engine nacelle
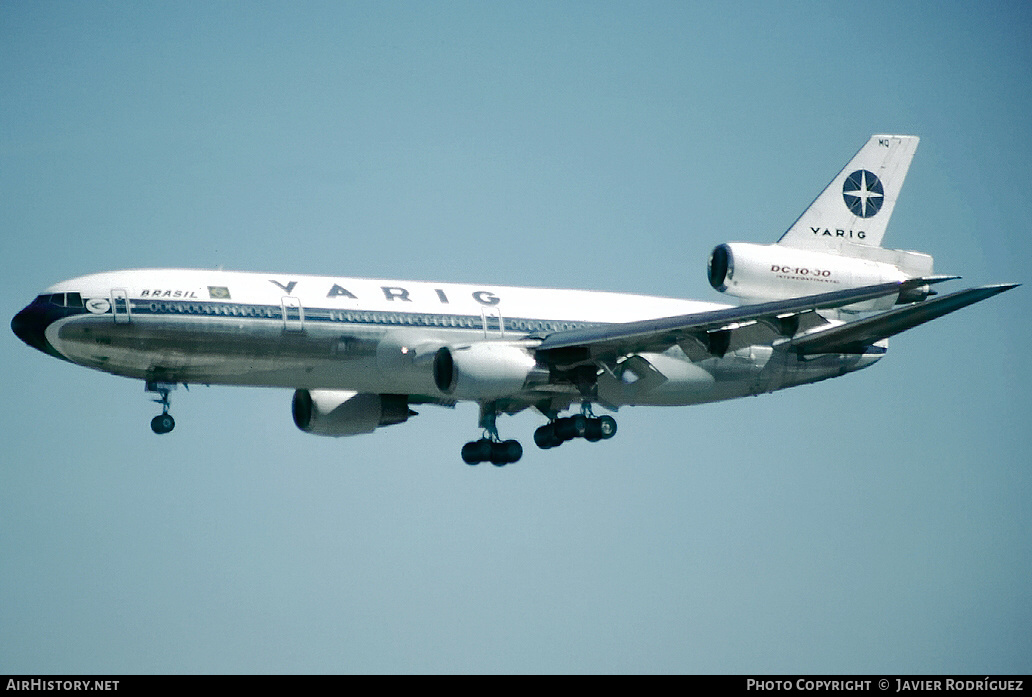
{"points": [[772, 272], [346, 413], [482, 371]]}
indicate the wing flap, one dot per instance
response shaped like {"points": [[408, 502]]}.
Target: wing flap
{"points": [[630, 337], [854, 337]]}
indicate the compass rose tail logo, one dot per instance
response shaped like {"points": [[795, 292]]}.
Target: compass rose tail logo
{"points": [[863, 193]]}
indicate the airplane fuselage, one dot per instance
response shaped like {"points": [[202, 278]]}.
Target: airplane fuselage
{"points": [[368, 335]]}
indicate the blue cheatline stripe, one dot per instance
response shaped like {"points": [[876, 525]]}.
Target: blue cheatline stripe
{"points": [[141, 307]]}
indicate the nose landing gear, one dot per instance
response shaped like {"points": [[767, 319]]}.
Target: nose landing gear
{"points": [[163, 422]]}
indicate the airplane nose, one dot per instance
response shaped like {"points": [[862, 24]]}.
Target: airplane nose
{"points": [[30, 324]]}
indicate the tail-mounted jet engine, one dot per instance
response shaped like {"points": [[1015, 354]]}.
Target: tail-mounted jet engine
{"points": [[774, 272], [346, 413], [483, 371]]}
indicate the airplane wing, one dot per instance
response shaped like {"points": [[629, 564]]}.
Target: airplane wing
{"points": [[576, 345], [853, 337]]}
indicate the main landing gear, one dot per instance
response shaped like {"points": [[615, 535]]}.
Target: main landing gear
{"points": [[163, 422], [498, 453], [590, 428], [584, 425], [491, 448]]}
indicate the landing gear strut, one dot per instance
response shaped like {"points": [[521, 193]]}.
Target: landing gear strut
{"points": [[163, 422], [491, 448]]}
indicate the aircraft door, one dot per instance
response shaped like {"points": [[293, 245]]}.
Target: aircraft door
{"points": [[494, 325], [120, 305], [293, 314]]}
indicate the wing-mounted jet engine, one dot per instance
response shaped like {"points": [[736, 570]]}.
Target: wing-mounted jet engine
{"points": [[346, 413], [485, 370]]}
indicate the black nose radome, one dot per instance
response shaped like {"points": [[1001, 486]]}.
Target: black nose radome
{"points": [[30, 324]]}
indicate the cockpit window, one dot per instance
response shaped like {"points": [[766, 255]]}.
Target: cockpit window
{"points": [[61, 299]]}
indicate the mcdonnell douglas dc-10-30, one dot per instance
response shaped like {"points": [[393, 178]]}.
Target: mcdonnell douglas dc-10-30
{"points": [[359, 353]]}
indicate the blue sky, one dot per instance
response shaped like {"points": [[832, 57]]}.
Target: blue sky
{"points": [[874, 523]]}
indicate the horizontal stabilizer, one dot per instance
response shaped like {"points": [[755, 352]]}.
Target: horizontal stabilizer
{"points": [[855, 337]]}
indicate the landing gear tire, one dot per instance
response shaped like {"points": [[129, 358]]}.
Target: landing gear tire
{"points": [[594, 432], [564, 429], [505, 453], [602, 428], [471, 454], [162, 423], [497, 453], [475, 452], [545, 437]]}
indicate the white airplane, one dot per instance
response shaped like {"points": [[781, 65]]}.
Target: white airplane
{"points": [[359, 353]]}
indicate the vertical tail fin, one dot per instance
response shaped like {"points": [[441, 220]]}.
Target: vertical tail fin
{"points": [[856, 206]]}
